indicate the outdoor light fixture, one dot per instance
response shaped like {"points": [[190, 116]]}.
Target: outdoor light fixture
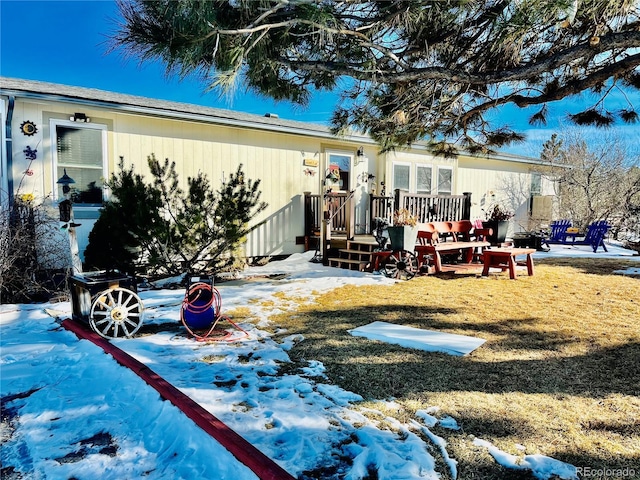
{"points": [[66, 216], [360, 156], [79, 117], [65, 206], [65, 180]]}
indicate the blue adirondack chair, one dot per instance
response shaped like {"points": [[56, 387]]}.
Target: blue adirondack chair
{"points": [[558, 232], [594, 236]]}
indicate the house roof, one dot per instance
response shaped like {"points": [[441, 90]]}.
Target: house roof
{"points": [[186, 111], [163, 108]]}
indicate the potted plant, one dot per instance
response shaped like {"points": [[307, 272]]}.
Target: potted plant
{"points": [[404, 232], [497, 218]]}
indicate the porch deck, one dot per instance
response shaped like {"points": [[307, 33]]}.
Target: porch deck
{"points": [[335, 213], [357, 254]]}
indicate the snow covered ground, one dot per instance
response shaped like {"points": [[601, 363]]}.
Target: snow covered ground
{"points": [[70, 411]]}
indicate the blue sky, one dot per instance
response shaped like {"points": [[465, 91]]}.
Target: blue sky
{"points": [[66, 42]]}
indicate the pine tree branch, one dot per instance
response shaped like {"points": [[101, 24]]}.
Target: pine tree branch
{"points": [[384, 74], [574, 87]]}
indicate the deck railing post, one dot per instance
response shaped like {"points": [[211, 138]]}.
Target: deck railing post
{"points": [[401, 199], [350, 215], [466, 206], [380, 206], [371, 214], [308, 220], [326, 228], [396, 199]]}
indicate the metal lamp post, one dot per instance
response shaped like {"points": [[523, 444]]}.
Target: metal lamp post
{"points": [[66, 215]]}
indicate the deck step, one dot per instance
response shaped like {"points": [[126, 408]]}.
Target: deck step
{"points": [[349, 264], [354, 254], [361, 246]]}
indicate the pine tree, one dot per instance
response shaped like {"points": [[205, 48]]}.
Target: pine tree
{"points": [[119, 238], [163, 230], [406, 70]]}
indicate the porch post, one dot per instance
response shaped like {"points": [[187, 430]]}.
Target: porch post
{"points": [[396, 200], [325, 224], [325, 235], [466, 206], [307, 214], [350, 215]]}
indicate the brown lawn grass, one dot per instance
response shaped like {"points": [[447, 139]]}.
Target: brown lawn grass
{"points": [[559, 373]]}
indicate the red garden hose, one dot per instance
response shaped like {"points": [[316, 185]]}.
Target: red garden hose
{"points": [[200, 313]]}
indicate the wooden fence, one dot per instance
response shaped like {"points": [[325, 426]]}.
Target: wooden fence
{"points": [[435, 208], [340, 209]]}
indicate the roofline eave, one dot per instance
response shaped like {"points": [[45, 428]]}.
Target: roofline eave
{"points": [[196, 117]]}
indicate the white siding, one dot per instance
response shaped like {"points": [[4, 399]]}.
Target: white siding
{"points": [[493, 181], [274, 158]]}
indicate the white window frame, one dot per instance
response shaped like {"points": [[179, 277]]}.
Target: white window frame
{"points": [[536, 178], [53, 123], [440, 168], [423, 165], [4, 172], [393, 176]]}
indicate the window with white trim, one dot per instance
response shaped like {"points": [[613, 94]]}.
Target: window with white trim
{"points": [[423, 179], [401, 176], [80, 150], [536, 183], [4, 177], [445, 181]]}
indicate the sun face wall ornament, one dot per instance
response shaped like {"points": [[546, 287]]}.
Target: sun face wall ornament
{"points": [[28, 128]]}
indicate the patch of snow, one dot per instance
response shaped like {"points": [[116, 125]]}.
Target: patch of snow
{"points": [[542, 467], [69, 410]]}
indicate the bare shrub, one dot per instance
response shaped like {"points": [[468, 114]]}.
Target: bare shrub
{"points": [[34, 253]]}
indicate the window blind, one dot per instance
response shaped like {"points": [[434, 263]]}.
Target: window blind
{"points": [[79, 151]]}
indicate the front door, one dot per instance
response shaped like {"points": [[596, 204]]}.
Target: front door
{"points": [[348, 173], [340, 164]]}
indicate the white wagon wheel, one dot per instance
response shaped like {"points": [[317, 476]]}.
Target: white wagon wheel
{"points": [[116, 312]]}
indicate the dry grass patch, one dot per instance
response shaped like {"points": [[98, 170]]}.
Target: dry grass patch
{"points": [[240, 314], [559, 372]]}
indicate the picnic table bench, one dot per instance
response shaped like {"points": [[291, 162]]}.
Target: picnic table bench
{"points": [[460, 236], [505, 259]]}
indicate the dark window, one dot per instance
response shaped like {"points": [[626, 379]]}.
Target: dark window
{"points": [[79, 152]]}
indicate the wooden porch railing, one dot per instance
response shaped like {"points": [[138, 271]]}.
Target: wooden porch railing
{"points": [[379, 207], [340, 213], [435, 208], [340, 210]]}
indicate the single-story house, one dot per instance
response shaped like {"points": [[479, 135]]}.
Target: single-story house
{"points": [[50, 128]]}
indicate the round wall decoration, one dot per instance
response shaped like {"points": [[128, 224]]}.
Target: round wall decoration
{"points": [[28, 128]]}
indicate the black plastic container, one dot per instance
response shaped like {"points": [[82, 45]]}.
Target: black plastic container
{"points": [[84, 287]]}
